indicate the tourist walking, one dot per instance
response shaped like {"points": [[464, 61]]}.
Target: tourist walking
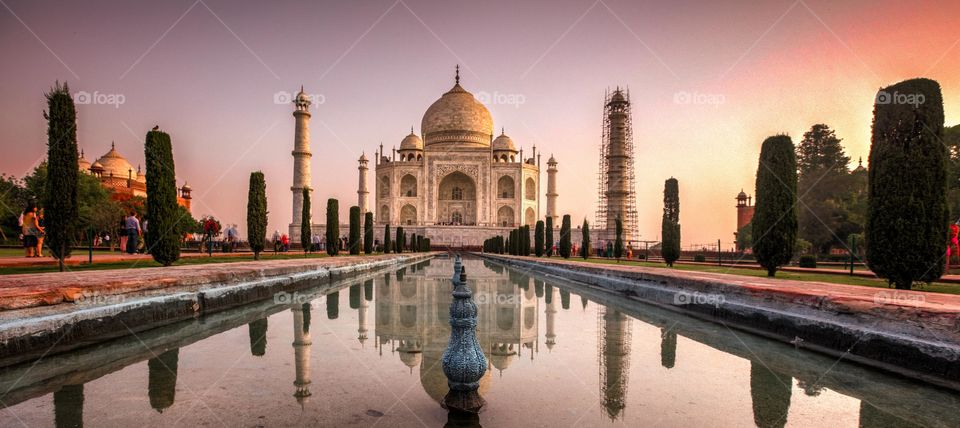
{"points": [[276, 241], [30, 230], [41, 232], [315, 240], [132, 227]]}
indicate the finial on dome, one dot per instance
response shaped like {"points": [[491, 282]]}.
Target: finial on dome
{"points": [[411, 129], [859, 163], [502, 131], [113, 145], [457, 76], [301, 88]]}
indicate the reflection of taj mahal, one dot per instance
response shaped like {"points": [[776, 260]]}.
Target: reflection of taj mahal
{"points": [[412, 318], [458, 184]]}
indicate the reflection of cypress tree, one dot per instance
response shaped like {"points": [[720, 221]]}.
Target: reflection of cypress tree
{"points": [[771, 396], [668, 348], [583, 302], [162, 381], [548, 296], [368, 290], [355, 296], [871, 417], [68, 406], [400, 274], [564, 299], [496, 268], [333, 305], [306, 317], [258, 337], [538, 288]]}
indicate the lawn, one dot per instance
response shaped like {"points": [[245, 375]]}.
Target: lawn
{"points": [[146, 263], [936, 287]]}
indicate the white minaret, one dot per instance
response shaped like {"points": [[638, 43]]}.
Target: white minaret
{"points": [[552, 190], [362, 188], [551, 313], [301, 159]]}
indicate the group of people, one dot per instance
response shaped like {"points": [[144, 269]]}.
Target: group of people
{"points": [[32, 231]]}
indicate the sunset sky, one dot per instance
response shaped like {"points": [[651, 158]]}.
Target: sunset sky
{"points": [[208, 71]]}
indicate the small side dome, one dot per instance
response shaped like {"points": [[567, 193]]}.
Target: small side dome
{"points": [[186, 187], [83, 163], [741, 195], [504, 143], [363, 157], [96, 167], [411, 142], [411, 359]]}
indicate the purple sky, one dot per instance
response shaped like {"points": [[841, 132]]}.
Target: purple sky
{"points": [[207, 73]]}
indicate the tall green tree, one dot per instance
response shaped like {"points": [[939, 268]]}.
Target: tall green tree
{"points": [[354, 237], [585, 247], [907, 213], [60, 198], [538, 239], [618, 242], [670, 225], [333, 227], [951, 138], [387, 243], [368, 233], [565, 244], [257, 213], [775, 216], [548, 238], [825, 189], [401, 240], [163, 233], [306, 222]]}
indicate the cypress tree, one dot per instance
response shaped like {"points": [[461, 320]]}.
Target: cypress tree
{"points": [[162, 379], [333, 305], [585, 248], [565, 245], [506, 245], [60, 198], [907, 214], [401, 239], [368, 233], [354, 237], [548, 238], [333, 227], [775, 219], [257, 213], [538, 239], [305, 222], [526, 240], [618, 243], [163, 234], [670, 225], [387, 244]]}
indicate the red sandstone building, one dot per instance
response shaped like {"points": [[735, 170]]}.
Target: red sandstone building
{"points": [[117, 175]]}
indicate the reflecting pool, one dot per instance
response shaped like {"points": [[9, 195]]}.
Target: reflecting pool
{"points": [[366, 351]]}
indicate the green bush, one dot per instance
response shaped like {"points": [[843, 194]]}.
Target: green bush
{"points": [[699, 258], [548, 237], [907, 214], [585, 247], [566, 246], [808, 261], [368, 233], [775, 216], [387, 243], [256, 214], [306, 222], [162, 208], [538, 239], [333, 227], [354, 237]]}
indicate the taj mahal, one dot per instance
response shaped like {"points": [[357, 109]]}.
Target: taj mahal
{"points": [[457, 183]]}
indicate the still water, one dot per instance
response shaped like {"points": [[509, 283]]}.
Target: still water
{"points": [[366, 351]]}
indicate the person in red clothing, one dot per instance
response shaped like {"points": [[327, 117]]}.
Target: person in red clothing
{"points": [[285, 242]]}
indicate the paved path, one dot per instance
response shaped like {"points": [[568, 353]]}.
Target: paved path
{"points": [[39, 289], [80, 257]]}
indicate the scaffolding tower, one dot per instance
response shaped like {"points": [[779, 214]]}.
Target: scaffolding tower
{"points": [[616, 185], [614, 334]]}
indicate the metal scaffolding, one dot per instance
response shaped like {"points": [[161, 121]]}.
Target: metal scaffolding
{"points": [[616, 166]]}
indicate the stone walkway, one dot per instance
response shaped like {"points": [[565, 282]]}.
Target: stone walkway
{"points": [[80, 257], [31, 290]]}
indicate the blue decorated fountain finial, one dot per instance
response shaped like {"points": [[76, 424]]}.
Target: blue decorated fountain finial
{"points": [[463, 361]]}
